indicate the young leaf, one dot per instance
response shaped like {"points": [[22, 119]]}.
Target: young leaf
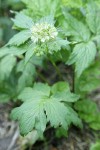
{"points": [[22, 21], [82, 55], [19, 38]]}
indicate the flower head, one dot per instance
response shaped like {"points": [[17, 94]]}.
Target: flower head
{"points": [[43, 32]]}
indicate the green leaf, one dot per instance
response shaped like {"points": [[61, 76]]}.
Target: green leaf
{"points": [[60, 87], [25, 1], [76, 29], [22, 21], [72, 3], [66, 96], [90, 79], [40, 108], [97, 40], [82, 55], [73, 117], [29, 53], [43, 88], [61, 132], [6, 65], [57, 44], [86, 106], [32, 113], [93, 17], [13, 50], [43, 8], [95, 124], [34, 116], [4, 98], [56, 113], [88, 111], [37, 92], [95, 146], [26, 78], [19, 38]]}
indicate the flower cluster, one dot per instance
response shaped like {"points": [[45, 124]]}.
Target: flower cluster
{"points": [[43, 32]]}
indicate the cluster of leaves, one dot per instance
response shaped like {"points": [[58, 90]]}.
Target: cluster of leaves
{"points": [[83, 37], [89, 112], [77, 44]]}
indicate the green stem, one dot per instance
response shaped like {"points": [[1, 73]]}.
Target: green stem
{"points": [[56, 68], [42, 77], [73, 82]]}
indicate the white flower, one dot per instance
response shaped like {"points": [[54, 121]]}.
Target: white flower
{"points": [[42, 32]]}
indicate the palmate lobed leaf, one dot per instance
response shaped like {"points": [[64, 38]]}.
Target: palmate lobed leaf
{"points": [[82, 55], [41, 107], [31, 114]]}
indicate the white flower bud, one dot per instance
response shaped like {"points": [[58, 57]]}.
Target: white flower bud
{"points": [[42, 32]]}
